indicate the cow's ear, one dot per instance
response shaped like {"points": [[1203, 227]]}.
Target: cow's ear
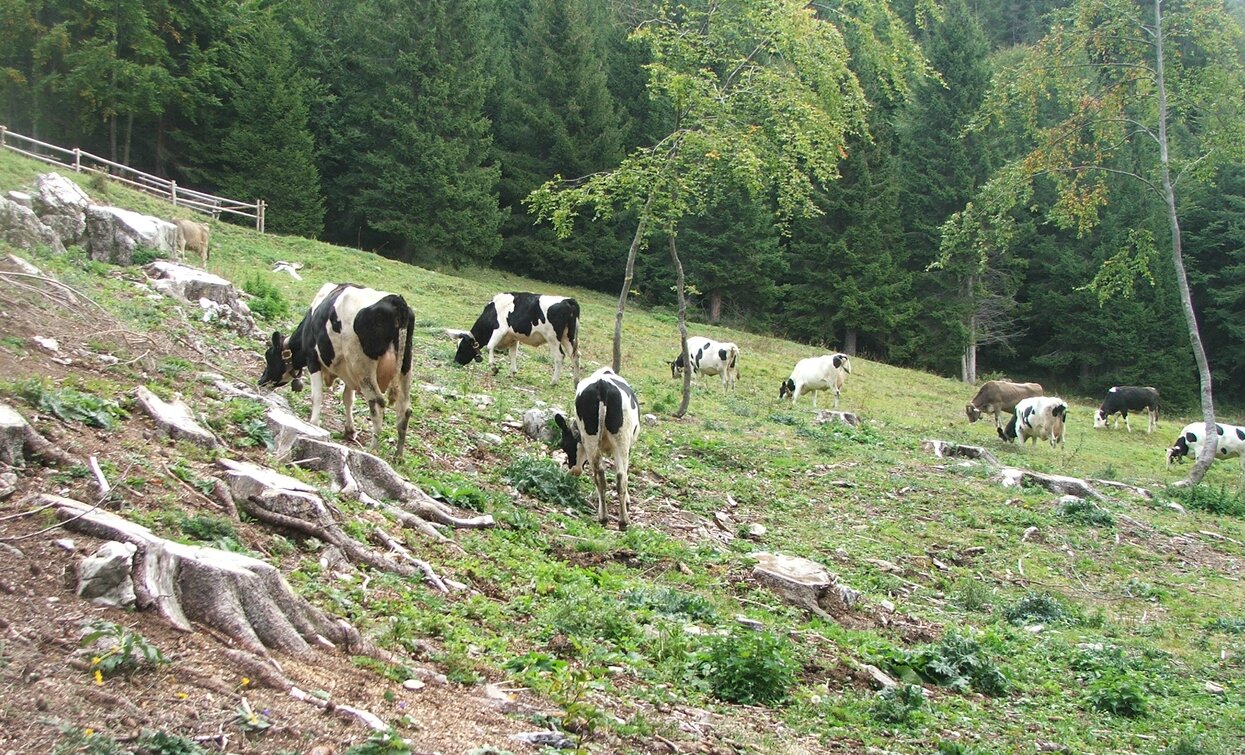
{"points": [[276, 339], [562, 423]]}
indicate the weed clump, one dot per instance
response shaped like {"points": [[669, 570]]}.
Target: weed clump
{"points": [[1214, 499], [268, 303], [545, 480], [1081, 511], [71, 405], [1039, 608], [959, 661], [748, 667], [1118, 694], [1226, 625], [895, 705]]}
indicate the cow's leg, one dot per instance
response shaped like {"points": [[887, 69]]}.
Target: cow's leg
{"points": [[348, 403], [815, 393], [317, 396], [402, 405], [598, 477], [514, 359], [836, 399], [491, 367], [555, 353], [620, 474], [1127, 425], [375, 406]]}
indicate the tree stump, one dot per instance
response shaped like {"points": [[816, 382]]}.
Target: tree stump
{"points": [[804, 583], [943, 449], [19, 441], [1012, 477]]}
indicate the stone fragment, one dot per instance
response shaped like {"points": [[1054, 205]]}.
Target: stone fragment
{"points": [[104, 578]]}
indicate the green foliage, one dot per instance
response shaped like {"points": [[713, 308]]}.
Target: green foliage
{"points": [[670, 602], [144, 255], [250, 720], [208, 528], [959, 661], [545, 480], [833, 437], [1215, 499], [70, 404], [244, 421], [1226, 625], [268, 303], [895, 705], [387, 742], [747, 667], [454, 491], [588, 616], [1083, 511], [1118, 694], [160, 743], [76, 741], [123, 652], [972, 595], [947, 747], [1039, 607]]}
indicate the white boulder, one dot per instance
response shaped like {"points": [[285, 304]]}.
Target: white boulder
{"points": [[113, 234]]}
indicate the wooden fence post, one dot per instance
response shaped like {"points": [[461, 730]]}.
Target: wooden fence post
{"points": [[2, 130], [77, 160], [173, 191], [259, 214]]}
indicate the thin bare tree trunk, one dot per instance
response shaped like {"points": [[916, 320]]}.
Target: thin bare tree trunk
{"points": [[968, 360], [626, 287], [687, 362], [129, 134], [715, 306], [849, 342], [1210, 446]]}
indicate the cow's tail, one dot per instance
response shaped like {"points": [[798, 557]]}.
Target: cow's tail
{"points": [[572, 332], [409, 317]]}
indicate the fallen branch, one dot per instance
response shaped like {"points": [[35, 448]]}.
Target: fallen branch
{"points": [[100, 480]]}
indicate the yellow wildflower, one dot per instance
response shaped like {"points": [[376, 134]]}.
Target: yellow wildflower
{"points": [[99, 677]]}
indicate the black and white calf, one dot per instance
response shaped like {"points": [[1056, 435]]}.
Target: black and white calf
{"points": [[1122, 399], [817, 374], [531, 319], [1037, 418], [607, 421], [1189, 443], [357, 335], [710, 357]]}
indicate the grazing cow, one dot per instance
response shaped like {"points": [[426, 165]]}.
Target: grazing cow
{"points": [[1037, 418], [997, 396], [817, 374], [607, 420], [1189, 443], [358, 335], [531, 319], [709, 357], [1122, 399], [193, 236]]}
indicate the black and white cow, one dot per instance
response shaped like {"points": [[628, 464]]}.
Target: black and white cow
{"points": [[357, 335], [1189, 443], [1037, 418], [531, 319], [815, 374], [710, 357], [1122, 399], [607, 421]]}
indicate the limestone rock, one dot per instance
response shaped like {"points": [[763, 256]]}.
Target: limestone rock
{"points": [[20, 197], [20, 227], [12, 436], [57, 195], [650, 420], [24, 266], [538, 425], [113, 234], [826, 416], [8, 484], [292, 268], [176, 419], [192, 285], [104, 578]]}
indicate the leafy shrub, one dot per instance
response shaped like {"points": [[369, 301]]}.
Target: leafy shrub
{"points": [[947, 747], [144, 255], [124, 652], [790, 419], [895, 705], [1038, 607], [1082, 511], [1118, 694], [1216, 499], [545, 480], [75, 741], [835, 436], [455, 492], [268, 303], [71, 404], [1226, 625], [669, 602], [207, 528], [1192, 745], [961, 663], [591, 616], [748, 667], [244, 421], [972, 595], [159, 743], [381, 743]]}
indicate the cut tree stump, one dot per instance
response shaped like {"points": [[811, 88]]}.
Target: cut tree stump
{"points": [[804, 583], [243, 597], [944, 448], [1011, 477], [370, 479], [19, 441]]}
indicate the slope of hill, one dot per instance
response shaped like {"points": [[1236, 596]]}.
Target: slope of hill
{"points": [[1030, 624]]}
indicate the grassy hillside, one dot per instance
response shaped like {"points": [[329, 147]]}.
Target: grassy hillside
{"points": [[1094, 627]]}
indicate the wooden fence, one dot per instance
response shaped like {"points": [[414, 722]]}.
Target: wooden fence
{"points": [[80, 162]]}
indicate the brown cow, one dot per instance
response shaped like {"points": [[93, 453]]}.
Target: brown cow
{"points": [[193, 236]]}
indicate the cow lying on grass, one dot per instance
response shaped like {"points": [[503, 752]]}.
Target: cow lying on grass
{"points": [[356, 334]]}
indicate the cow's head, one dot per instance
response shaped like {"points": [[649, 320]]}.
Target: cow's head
{"points": [[1100, 418], [841, 362], [468, 349], [786, 389], [1008, 433], [972, 411], [676, 366], [572, 444], [279, 365], [1180, 449]]}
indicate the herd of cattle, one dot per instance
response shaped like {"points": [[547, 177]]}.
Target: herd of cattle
{"points": [[363, 338]]}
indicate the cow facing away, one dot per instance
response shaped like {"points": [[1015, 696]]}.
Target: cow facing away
{"points": [[710, 357], [192, 236], [814, 374], [997, 396], [357, 335], [1189, 443], [531, 319], [1037, 418], [607, 421], [1122, 399]]}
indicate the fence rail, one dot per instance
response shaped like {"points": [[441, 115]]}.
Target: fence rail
{"points": [[85, 162]]}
